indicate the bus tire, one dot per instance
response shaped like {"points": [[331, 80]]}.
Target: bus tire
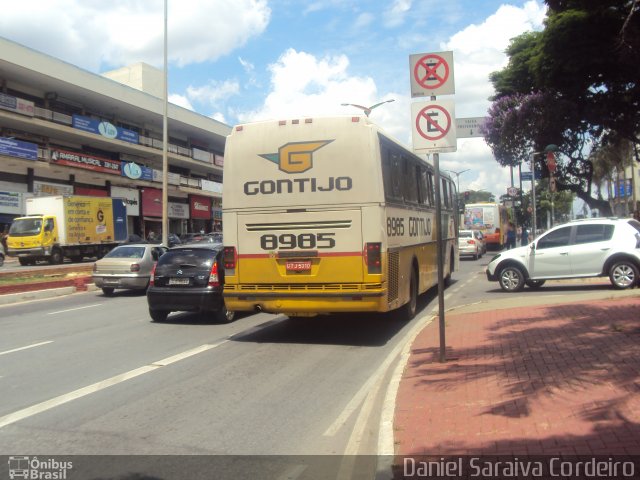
{"points": [[447, 279], [408, 310]]}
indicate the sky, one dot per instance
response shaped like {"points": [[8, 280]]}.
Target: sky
{"points": [[248, 60]]}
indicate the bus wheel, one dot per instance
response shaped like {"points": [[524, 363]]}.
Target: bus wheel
{"points": [[410, 308]]}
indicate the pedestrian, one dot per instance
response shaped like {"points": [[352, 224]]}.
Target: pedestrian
{"points": [[511, 236], [524, 238], [152, 236]]}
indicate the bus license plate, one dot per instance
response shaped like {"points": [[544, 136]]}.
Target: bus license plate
{"points": [[299, 266]]}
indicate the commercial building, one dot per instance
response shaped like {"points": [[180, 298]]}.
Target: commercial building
{"points": [[64, 130]]}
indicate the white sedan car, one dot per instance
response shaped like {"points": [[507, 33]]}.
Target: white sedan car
{"points": [[470, 244], [127, 267]]}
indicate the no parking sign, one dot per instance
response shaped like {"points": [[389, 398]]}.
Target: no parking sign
{"points": [[433, 126]]}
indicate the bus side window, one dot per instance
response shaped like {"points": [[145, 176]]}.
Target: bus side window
{"points": [[432, 193], [444, 193], [424, 191], [392, 176], [410, 181]]}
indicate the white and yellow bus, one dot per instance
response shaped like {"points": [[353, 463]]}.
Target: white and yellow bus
{"points": [[326, 215]]}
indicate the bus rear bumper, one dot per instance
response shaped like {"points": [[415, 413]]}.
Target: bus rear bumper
{"points": [[306, 303]]}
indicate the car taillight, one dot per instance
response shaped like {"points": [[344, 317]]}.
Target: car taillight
{"points": [[153, 275], [471, 242], [135, 267], [373, 257], [214, 281], [229, 257]]}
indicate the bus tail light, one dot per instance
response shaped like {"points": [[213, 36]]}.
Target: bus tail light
{"points": [[152, 277], [229, 257], [373, 257], [214, 280]]}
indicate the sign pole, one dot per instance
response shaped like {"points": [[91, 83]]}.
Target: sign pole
{"points": [[440, 256]]}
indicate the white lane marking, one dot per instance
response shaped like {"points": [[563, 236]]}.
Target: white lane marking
{"points": [[96, 387], [25, 348], [74, 309]]}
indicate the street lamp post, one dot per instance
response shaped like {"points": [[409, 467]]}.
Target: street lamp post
{"points": [[457, 174], [367, 110]]}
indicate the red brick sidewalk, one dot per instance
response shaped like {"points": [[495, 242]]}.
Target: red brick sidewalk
{"points": [[555, 379]]}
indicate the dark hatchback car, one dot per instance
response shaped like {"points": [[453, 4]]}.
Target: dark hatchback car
{"points": [[189, 278]]}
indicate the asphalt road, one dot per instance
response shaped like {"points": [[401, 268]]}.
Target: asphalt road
{"points": [[87, 374]]}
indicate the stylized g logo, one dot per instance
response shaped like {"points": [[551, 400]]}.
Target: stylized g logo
{"points": [[295, 157]]}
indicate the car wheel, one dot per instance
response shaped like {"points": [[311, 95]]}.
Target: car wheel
{"points": [[108, 291], [158, 315], [534, 283], [56, 257], [408, 311], [511, 279], [224, 315], [623, 274]]}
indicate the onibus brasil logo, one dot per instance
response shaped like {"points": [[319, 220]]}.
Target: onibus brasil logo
{"points": [[41, 469], [295, 157]]}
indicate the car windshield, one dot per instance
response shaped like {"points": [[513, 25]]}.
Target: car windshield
{"points": [[26, 226], [465, 234], [126, 252]]}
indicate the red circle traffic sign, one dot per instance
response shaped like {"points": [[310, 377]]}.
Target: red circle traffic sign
{"points": [[437, 72], [433, 130]]}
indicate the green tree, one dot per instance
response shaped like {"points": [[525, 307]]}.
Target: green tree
{"points": [[575, 85]]}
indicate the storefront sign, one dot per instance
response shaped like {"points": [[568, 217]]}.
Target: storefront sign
{"points": [[46, 189], [178, 210], [104, 128], [210, 186], [151, 202], [136, 172], [131, 198], [172, 178], [18, 148], [10, 202], [200, 207], [17, 105], [91, 192], [88, 162]]}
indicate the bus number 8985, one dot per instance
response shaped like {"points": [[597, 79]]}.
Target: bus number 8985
{"points": [[305, 241]]}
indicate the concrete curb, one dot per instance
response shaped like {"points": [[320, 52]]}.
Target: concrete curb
{"points": [[11, 298]]}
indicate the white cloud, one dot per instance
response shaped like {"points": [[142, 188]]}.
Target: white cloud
{"points": [[85, 33], [181, 101], [213, 92], [303, 85], [395, 15]]}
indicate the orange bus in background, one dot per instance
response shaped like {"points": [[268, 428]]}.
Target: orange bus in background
{"points": [[492, 219]]}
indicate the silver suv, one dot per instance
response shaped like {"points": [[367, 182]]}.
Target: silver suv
{"points": [[597, 247]]}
